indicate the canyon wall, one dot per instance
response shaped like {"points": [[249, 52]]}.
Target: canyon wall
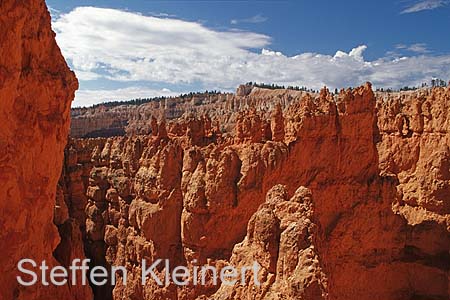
{"points": [[36, 89], [335, 196], [114, 120]]}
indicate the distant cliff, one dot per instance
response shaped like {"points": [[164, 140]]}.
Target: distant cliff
{"points": [[104, 121]]}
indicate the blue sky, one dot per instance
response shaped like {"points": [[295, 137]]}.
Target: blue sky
{"points": [[129, 49]]}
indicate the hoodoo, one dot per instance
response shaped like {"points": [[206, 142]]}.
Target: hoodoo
{"points": [[331, 202]]}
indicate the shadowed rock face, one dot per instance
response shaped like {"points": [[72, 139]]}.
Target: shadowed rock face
{"points": [[36, 89], [336, 196]]}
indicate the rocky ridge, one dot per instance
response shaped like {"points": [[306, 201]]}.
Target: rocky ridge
{"points": [[104, 121]]}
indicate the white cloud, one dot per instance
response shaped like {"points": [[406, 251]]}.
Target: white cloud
{"points": [[162, 14], [87, 75], [90, 97], [271, 53], [124, 46], [255, 19], [417, 48], [54, 13], [424, 5]]}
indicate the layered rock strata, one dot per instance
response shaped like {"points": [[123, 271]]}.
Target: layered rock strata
{"points": [[106, 121]]}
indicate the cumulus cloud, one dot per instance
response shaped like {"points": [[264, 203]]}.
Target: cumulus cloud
{"points": [[125, 46], [255, 19], [128, 47], [90, 97], [424, 5]]}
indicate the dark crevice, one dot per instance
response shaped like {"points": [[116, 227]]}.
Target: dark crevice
{"points": [[415, 255]]}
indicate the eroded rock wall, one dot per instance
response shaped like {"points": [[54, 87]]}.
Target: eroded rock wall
{"points": [[105, 121], [375, 227], [36, 89]]}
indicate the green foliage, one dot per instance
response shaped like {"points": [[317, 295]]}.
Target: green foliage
{"points": [[435, 82], [137, 101], [274, 86], [140, 101]]}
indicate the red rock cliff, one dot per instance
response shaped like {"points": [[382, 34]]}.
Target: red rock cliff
{"points": [[36, 89]]}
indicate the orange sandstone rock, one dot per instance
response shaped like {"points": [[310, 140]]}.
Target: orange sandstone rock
{"points": [[360, 236], [36, 89]]}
